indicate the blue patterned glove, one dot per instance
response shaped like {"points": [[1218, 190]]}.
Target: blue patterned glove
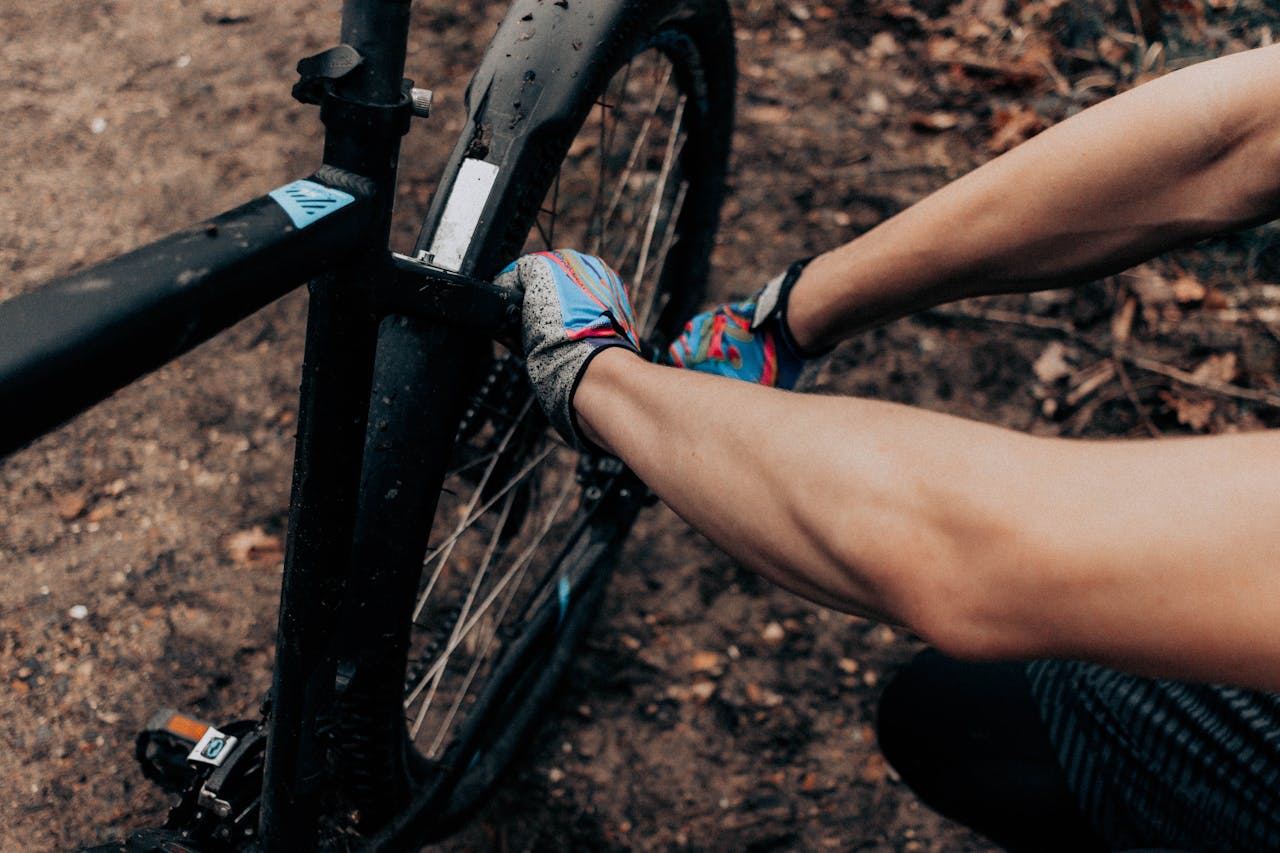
{"points": [[746, 340], [575, 307]]}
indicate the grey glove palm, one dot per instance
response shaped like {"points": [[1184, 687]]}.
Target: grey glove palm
{"points": [[575, 307]]}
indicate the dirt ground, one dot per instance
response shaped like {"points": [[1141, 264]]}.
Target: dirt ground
{"points": [[709, 710]]}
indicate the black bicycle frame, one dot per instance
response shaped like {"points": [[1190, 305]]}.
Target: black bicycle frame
{"points": [[375, 321]]}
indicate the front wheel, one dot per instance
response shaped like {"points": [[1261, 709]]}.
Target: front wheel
{"points": [[602, 130]]}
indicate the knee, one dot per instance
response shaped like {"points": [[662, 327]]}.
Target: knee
{"points": [[903, 728]]}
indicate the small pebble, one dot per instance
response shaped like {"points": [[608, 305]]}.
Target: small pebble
{"points": [[79, 611]]}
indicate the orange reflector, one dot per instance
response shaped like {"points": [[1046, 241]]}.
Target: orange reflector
{"points": [[186, 727]]}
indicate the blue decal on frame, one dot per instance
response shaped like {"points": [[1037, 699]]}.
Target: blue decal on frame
{"points": [[307, 201]]}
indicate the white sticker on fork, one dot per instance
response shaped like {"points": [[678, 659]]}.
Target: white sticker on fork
{"points": [[462, 213]]}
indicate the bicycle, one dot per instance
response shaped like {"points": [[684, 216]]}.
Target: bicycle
{"points": [[406, 671]]}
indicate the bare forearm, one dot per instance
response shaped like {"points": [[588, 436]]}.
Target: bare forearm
{"points": [[770, 476], [1186, 156], [1157, 557]]}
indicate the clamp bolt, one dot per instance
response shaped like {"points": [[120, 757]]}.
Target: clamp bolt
{"points": [[421, 101]]}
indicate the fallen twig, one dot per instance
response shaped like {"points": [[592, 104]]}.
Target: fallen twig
{"points": [[1132, 394], [1222, 389], [1087, 381], [1012, 318]]}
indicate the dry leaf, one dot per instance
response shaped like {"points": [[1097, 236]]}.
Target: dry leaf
{"points": [[1187, 289], [255, 548], [702, 690], [1194, 413], [1217, 368], [69, 506], [705, 662], [799, 11], [1149, 286], [883, 44], [875, 769], [935, 121], [768, 114], [1154, 293], [876, 102], [101, 511], [1215, 300], [1010, 127], [1052, 363], [1100, 80], [699, 691]]}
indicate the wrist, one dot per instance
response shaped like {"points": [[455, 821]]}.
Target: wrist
{"points": [[599, 380], [805, 314]]}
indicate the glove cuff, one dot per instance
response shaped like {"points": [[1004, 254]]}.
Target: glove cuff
{"points": [[771, 304], [565, 418]]}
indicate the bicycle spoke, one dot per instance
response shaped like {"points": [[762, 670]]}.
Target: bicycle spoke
{"points": [[651, 309], [521, 561], [447, 548], [624, 179], [462, 630], [675, 145], [443, 551], [605, 103], [466, 607], [546, 237], [467, 466], [497, 620]]}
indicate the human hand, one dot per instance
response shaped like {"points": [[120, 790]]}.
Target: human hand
{"points": [[746, 340], [575, 307]]}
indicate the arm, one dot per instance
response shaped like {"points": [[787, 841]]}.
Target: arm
{"points": [[1159, 557], [1188, 155]]}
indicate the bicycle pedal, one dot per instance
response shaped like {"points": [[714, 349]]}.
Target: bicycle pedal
{"points": [[175, 749]]}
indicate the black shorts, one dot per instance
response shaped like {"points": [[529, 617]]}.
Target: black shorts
{"points": [[1074, 757], [1190, 766]]}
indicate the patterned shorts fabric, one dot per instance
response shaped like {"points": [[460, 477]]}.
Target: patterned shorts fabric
{"points": [[1165, 763]]}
